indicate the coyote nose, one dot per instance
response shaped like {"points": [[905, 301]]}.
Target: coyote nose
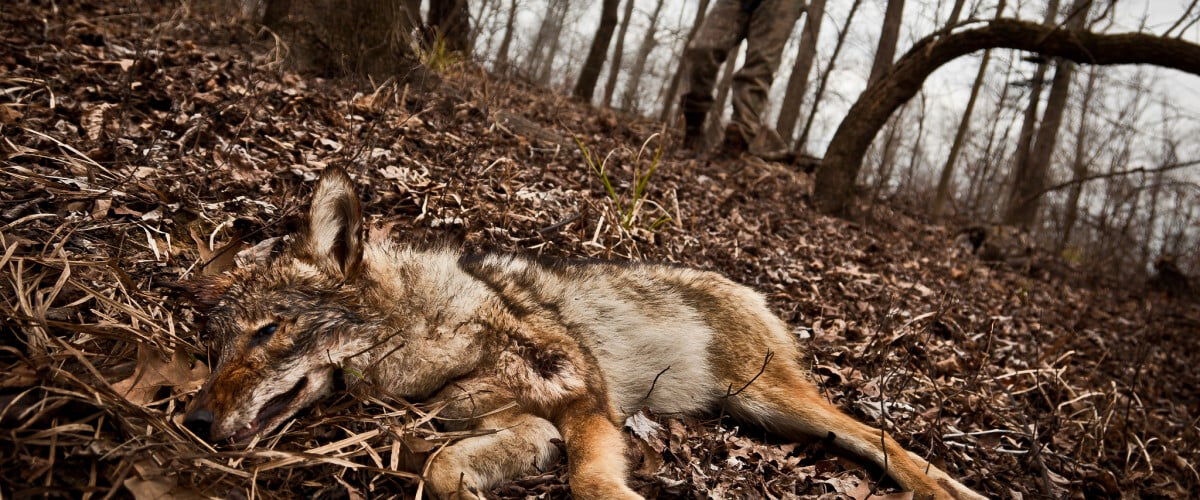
{"points": [[200, 423]]}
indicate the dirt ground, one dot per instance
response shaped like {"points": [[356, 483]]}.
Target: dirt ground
{"points": [[142, 143]]}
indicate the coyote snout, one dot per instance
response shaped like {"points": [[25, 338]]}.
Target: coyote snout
{"points": [[534, 350]]}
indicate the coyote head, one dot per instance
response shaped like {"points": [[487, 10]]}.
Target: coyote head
{"points": [[285, 326]]}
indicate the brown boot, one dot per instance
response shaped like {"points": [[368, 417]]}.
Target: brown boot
{"points": [[693, 136], [735, 142]]}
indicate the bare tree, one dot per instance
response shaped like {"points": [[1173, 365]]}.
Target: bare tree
{"points": [[506, 43], [956, 11], [614, 68], [802, 142], [834, 187], [649, 41], [1030, 175], [888, 37], [556, 17], [586, 84], [947, 175], [1021, 158], [1079, 166], [671, 96], [793, 97], [544, 43]]}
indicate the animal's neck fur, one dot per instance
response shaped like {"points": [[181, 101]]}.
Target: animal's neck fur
{"points": [[428, 306]]}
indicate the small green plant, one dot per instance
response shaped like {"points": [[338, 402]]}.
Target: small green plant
{"points": [[627, 207], [437, 57]]}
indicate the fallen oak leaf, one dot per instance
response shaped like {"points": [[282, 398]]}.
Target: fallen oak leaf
{"points": [[152, 372]]}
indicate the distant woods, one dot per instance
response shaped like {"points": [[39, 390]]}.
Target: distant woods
{"points": [[1040, 136]]}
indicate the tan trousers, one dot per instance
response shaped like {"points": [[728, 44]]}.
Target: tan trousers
{"points": [[766, 26]]}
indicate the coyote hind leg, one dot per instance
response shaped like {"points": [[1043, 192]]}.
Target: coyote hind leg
{"points": [[784, 401]]}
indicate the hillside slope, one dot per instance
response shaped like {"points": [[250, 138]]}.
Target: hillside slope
{"points": [[140, 143]]}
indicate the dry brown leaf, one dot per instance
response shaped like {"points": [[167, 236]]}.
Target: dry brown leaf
{"points": [[9, 114], [95, 120], [100, 208], [151, 483], [153, 372]]}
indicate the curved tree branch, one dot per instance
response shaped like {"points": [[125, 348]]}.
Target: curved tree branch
{"points": [[834, 188]]}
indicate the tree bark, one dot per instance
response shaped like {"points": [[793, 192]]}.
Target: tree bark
{"points": [[956, 11], [672, 94], [1022, 156], [793, 97], [835, 178], [947, 176], [614, 69], [1030, 176], [506, 43], [633, 84], [1079, 166], [586, 84], [915, 159], [886, 51], [554, 35], [802, 142]]}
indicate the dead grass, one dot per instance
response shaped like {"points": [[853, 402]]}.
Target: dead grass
{"points": [[140, 146]]}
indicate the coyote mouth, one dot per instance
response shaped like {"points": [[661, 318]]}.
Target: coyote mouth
{"points": [[270, 411]]}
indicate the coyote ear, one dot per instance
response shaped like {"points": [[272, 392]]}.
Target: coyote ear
{"points": [[203, 292], [334, 236]]}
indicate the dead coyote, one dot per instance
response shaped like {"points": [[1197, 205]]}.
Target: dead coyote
{"points": [[537, 350]]}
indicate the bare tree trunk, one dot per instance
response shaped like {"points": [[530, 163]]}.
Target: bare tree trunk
{"points": [[886, 51], [1151, 218], [506, 43], [956, 11], [1030, 178], [633, 84], [541, 42], [486, 15], [887, 156], [915, 159], [1021, 158], [947, 175], [802, 142], [834, 188], [586, 84], [546, 67], [793, 97], [614, 69], [450, 20], [672, 94]]}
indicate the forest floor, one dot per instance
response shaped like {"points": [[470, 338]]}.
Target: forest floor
{"points": [[141, 144]]}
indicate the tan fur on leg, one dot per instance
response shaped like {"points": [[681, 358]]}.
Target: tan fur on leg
{"points": [[595, 453], [783, 400], [520, 446]]}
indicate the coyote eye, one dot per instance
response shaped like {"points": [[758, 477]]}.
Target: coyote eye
{"points": [[263, 334]]}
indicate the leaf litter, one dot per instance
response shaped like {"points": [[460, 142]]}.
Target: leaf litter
{"points": [[142, 143]]}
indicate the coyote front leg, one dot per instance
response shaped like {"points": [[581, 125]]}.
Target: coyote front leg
{"points": [[521, 445]]}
